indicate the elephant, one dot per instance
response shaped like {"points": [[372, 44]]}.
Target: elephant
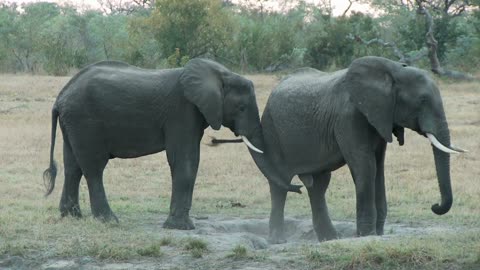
{"points": [[112, 110], [316, 122]]}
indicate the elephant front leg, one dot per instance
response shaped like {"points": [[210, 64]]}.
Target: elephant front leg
{"points": [[276, 224], [184, 166], [363, 170], [380, 195], [321, 221]]}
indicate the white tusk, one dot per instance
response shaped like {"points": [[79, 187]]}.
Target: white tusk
{"points": [[250, 145], [458, 149], [440, 146]]}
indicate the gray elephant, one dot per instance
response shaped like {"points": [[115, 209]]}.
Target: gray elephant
{"points": [[114, 110], [315, 122]]}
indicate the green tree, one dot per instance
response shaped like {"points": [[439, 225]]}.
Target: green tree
{"points": [[23, 32], [194, 27], [8, 29], [61, 43]]}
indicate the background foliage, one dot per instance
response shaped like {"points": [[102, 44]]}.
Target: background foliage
{"points": [[48, 38]]}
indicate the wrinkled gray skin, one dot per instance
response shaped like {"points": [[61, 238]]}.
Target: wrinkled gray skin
{"points": [[114, 110], [315, 122]]}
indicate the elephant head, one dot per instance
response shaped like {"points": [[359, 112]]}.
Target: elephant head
{"points": [[392, 95], [223, 97]]}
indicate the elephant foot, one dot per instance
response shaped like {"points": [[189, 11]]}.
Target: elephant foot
{"points": [[107, 216], [276, 237], [366, 229], [327, 235], [380, 229], [73, 211], [179, 223]]}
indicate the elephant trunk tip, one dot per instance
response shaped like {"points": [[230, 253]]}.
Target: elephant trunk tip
{"points": [[443, 208]]}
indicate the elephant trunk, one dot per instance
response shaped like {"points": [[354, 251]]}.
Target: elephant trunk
{"points": [[442, 165], [265, 164]]}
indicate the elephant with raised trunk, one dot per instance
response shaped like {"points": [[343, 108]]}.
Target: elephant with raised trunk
{"points": [[315, 122], [114, 110]]}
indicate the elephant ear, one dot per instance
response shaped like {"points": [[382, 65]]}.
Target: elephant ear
{"points": [[202, 85], [370, 85]]}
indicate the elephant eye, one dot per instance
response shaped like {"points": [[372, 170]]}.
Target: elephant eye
{"points": [[241, 108]]}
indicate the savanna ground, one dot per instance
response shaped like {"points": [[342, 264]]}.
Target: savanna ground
{"points": [[231, 202]]}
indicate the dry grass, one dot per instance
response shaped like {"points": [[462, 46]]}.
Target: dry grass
{"points": [[139, 189]]}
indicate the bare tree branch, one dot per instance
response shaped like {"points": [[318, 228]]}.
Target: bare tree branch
{"points": [[431, 42], [124, 6], [432, 46], [350, 3]]}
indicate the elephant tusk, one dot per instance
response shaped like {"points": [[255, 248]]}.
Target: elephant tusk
{"points": [[250, 145], [440, 146], [458, 149]]}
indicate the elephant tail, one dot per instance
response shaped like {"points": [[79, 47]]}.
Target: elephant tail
{"points": [[50, 173]]}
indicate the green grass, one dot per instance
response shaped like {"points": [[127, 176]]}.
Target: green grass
{"points": [[422, 252], [196, 247], [166, 241], [152, 250], [238, 252]]}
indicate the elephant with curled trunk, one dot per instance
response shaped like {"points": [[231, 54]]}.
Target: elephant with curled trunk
{"points": [[315, 122], [114, 110]]}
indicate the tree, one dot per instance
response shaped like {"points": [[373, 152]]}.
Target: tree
{"points": [[22, 31], [193, 27], [267, 40], [427, 23]]}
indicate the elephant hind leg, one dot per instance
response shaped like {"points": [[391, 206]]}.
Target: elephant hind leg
{"points": [[98, 199], [69, 204], [321, 220], [92, 160]]}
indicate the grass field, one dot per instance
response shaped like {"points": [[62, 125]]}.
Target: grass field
{"points": [[32, 235]]}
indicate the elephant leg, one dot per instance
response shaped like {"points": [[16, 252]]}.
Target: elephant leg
{"points": [[69, 204], [92, 155], [276, 224], [98, 199], [363, 169], [380, 195], [321, 221], [183, 160]]}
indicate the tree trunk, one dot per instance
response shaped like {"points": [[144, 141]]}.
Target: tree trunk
{"points": [[432, 46]]}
